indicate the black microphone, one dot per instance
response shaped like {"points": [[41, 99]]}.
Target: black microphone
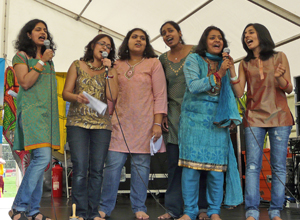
{"points": [[226, 50], [105, 55]]}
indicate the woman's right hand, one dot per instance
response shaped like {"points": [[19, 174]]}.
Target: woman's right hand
{"points": [[82, 99], [48, 55], [164, 124], [225, 65]]}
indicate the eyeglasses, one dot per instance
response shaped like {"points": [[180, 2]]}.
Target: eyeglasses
{"points": [[104, 44]]}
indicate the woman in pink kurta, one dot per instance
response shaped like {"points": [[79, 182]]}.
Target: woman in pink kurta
{"points": [[141, 104]]}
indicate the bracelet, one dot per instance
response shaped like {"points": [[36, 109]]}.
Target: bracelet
{"points": [[37, 69], [235, 82], [287, 85], [41, 62], [157, 124], [234, 78]]}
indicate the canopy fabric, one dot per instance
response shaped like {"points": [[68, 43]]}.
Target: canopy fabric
{"points": [[73, 23]]}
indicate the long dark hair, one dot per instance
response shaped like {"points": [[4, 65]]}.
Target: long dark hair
{"points": [[266, 43], [89, 49], [175, 25], [24, 43], [124, 50], [201, 49]]}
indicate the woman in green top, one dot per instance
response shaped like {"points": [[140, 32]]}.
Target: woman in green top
{"points": [[37, 126], [173, 62]]}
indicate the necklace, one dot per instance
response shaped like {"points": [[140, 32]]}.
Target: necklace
{"points": [[178, 55], [212, 68], [130, 72], [93, 67]]}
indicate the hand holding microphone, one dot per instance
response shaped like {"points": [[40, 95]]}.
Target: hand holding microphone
{"points": [[48, 53], [107, 63], [226, 62]]}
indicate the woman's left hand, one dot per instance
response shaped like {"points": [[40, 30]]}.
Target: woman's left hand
{"points": [[156, 132], [280, 71]]}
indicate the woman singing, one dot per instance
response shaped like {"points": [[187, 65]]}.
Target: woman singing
{"points": [[268, 79], [37, 126], [208, 111], [141, 104], [88, 132], [173, 62]]}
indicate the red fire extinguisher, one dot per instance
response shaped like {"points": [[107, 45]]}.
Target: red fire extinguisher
{"points": [[57, 177]]}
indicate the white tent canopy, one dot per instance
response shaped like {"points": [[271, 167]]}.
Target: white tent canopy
{"points": [[73, 23]]}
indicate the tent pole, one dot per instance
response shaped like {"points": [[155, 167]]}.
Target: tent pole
{"points": [[3, 49]]}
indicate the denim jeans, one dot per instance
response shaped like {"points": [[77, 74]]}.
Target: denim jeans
{"points": [[112, 174], [30, 192], [173, 196], [279, 137], [88, 149], [190, 191]]}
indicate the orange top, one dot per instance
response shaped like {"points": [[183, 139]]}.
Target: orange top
{"points": [[266, 102]]}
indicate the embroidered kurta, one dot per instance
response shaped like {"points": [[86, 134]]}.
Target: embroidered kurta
{"points": [[80, 114], [202, 145], [266, 102], [175, 88], [39, 109], [140, 97]]}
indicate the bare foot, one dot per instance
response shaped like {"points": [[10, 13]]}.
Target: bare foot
{"points": [[38, 217], [215, 217], [250, 218], [203, 216], [184, 217], [102, 214], [277, 218], [141, 215], [97, 218], [165, 216]]}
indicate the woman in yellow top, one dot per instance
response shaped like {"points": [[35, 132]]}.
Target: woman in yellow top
{"points": [[88, 132]]}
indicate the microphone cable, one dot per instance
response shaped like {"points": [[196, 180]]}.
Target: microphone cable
{"points": [[131, 157], [51, 65], [261, 149]]}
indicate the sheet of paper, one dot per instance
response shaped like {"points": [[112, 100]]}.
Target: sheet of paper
{"points": [[96, 104], [155, 146]]}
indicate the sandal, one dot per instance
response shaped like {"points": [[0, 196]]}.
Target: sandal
{"points": [[12, 213], [36, 214]]}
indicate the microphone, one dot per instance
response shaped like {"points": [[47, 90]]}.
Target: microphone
{"points": [[47, 44], [105, 55], [226, 50]]}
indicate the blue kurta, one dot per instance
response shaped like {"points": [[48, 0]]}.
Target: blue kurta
{"points": [[203, 145]]}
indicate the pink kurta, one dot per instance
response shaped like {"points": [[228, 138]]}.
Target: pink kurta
{"points": [[139, 98]]}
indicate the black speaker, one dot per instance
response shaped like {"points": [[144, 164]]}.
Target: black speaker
{"points": [[297, 103]]}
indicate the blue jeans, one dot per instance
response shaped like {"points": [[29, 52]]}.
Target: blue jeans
{"points": [[112, 174], [279, 137], [173, 196], [88, 149], [190, 191], [30, 192]]}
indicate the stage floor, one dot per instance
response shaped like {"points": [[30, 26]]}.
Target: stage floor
{"points": [[123, 210]]}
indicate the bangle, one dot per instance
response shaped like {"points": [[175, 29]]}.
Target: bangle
{"points": [[287, 85], [37, 69], [235, 82], [234, 78], [41, 62], [216, 74], [157, 124]]}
